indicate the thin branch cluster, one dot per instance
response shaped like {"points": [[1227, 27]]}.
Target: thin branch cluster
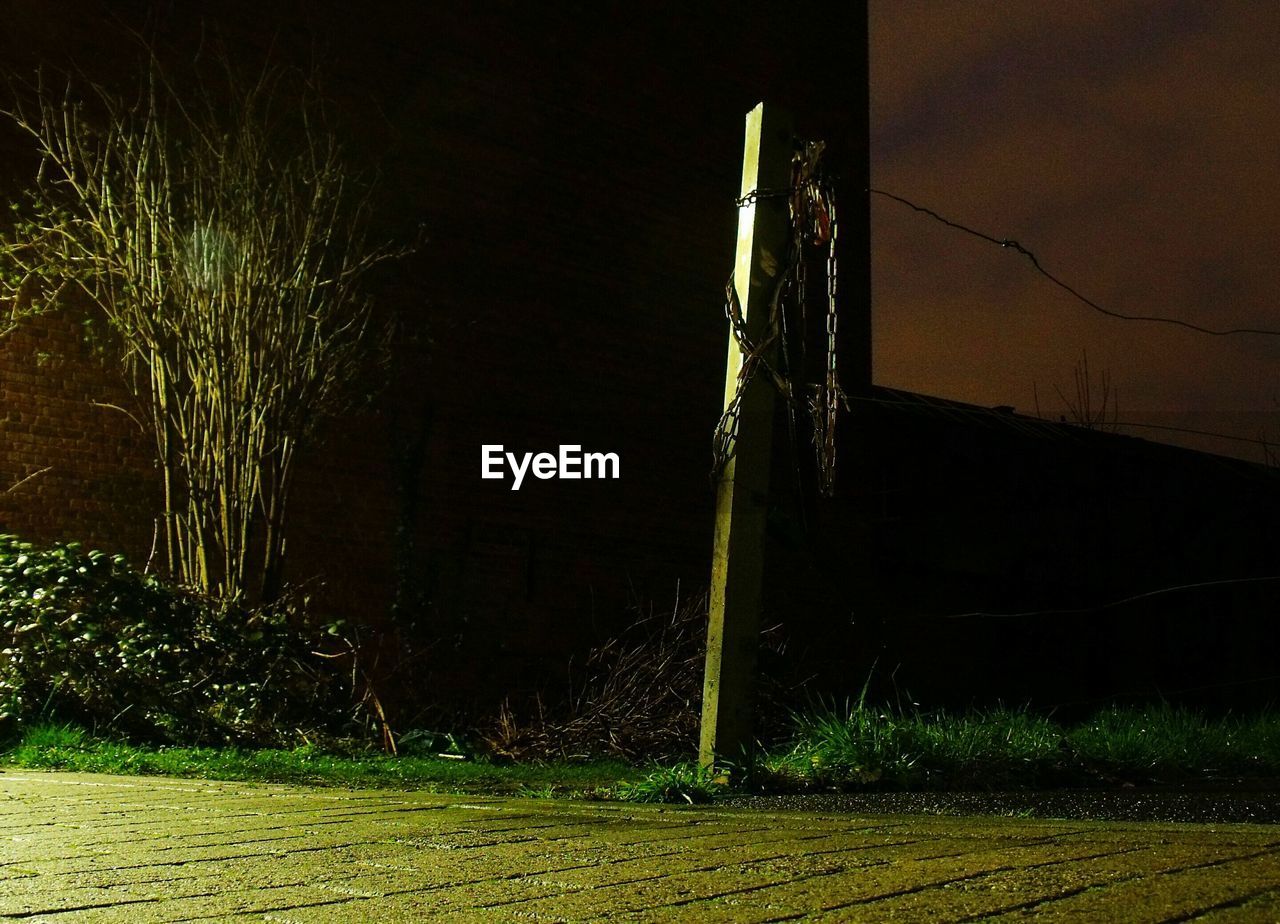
{"points": [[226, 243]]}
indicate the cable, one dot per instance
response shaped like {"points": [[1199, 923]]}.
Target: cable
{"points": [[1257, 441], [1115, 603], [1014, 245]]}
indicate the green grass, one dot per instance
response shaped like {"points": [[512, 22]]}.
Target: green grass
{"points": [[1164, 741], [862, 747], [857, 747], [60, 747], [685, 782]]}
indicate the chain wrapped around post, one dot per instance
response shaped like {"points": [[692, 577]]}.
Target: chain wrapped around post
{"points": [[813, 225]]}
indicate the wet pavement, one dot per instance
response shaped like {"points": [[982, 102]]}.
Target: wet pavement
{"points": [[89, 848]]}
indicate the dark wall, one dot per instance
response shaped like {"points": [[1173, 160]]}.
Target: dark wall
{"points": [[981, 557], [574, 174]]}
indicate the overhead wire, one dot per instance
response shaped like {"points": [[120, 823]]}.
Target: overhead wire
{"points": [[1010, 244], [1016, 246], [1124, 601]]}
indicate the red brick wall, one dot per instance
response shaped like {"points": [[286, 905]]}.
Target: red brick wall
{"points": [[78, 465], [73, 465]]}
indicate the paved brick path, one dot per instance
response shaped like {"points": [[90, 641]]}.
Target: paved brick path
{"points": [[80, 848]]}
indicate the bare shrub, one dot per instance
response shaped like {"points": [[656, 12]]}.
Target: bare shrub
{"points": [[640, 695], [223, 237]]}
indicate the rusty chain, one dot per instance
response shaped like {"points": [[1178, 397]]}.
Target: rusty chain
{"points": [[812, 225]]}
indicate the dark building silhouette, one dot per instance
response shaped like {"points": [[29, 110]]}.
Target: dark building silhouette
{"points": [[977, 555]]}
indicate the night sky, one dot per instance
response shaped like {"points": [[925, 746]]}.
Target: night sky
{"points": [[1131, 146]]}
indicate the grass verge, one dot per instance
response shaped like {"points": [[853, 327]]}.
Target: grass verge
{"points": [[861, 747], [63, 747], [855, 748]]}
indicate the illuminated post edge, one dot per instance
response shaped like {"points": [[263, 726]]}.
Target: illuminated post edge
{"points": [[742, 491]]}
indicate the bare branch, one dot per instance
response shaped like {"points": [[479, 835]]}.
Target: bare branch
{"points": [[226, 244], [1092, 413]]}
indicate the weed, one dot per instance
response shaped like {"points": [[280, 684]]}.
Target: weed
{"points": [[1254, 741], [1144, 740], [51, 735], [684, 782], [982, 749], [856, 745]]}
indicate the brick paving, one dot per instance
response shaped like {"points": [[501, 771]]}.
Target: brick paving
{"points": [[88, 848]]}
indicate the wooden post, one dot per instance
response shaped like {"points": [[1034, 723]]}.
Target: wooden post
{"points": [[742, 494]]}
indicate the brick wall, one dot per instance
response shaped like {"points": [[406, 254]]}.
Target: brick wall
{"points": [[73, 465]]}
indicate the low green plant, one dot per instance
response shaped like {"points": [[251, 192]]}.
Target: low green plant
{"points": [[53, 736], [1165, 740], [1005, 748], [87, 639], [1255, 742], [983, 749], [857, 745], [864, 747], [683, 782], [420, 742]]}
